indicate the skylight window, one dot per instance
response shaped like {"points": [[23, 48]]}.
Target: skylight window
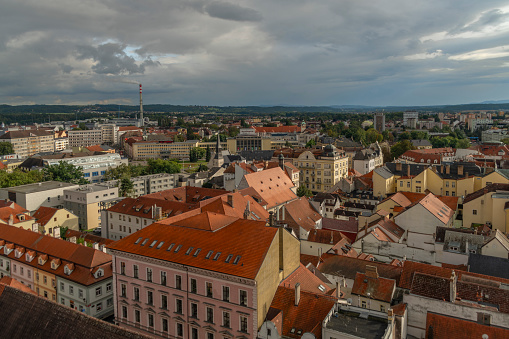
{"points": [[230, 256], [189, 250], [217, 255], [197, 252], [209, 254], [160, 244], [170, 247], [139, 239], [178, 248], [144, 242], [237, 259], [153, 243], [321, 288]]}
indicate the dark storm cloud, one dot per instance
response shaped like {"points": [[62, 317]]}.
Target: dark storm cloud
{"points": [[229, 11]]}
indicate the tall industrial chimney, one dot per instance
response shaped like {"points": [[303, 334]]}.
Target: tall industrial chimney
{"points": [[141, 108]]}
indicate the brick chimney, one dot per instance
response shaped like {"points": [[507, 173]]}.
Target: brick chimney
{"points": [[297, 294], [399, 166], [408, 170], [460, 169], [338, 290], [448, 169], [371, 272]]}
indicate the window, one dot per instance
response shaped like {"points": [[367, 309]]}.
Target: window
{"points": [[62, 301], [45, 294], [149, 274], [382, 308], [447, 193], [163, 278], [210, 315], [164, 326], [137, 316], [194, 333], [209, 289], [109, 302], [243, 298], [164, 302], [136, 294], [194, 288], [401, 184], [226, 293], [71, 290], [123, 289], [226, 319], [124, 312], [210, 335], [447, 184], [408, 184], [418, 189], [194, 310], [178, 306], [178, 282], [150, 297], [150, 320], [243, 324], [98, 307], [363, 305], [453, 193], [80, 293], [135, 268], [180, 330], [62, 286], [453, 184], [474, 212], [45, 279], [98, 291], [108, 287]]}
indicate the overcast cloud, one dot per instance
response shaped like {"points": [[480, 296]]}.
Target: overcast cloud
{"points": [[254, 52]]}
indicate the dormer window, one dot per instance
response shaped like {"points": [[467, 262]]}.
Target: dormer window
{"points": [[42, 259], [99, 273], [68, 268], [29, 257], [19, 252], [55, 263], [8, 249]]}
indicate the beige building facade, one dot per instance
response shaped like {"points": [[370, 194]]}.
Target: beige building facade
{"points": [[27, 143]]}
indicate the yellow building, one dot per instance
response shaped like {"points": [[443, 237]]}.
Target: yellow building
{"points": [[15, 215], [454, 179], [489, 205], [50, 220], [44, 282]]}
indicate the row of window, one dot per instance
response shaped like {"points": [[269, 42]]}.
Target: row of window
{"points": [[179, 327], [94, 174]]}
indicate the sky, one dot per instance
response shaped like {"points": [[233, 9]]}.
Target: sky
{"points": [[254, 52]]}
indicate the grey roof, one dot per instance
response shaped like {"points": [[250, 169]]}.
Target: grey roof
{"points": [[488, 265], [468, 167], [415, 169], [40, 187], [421, 142], [503, 172], [384, 172], [357, 326], [365, 154], [257, 155], [19, 309]]}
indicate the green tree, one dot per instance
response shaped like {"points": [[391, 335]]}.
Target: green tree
{"points": [[233, 131], [202, 168], [65, 172], [63, 231], [6, 148], [310, 143], [179, 138], [304, 191], [207, 154], [162, 166], [401, 147], [505, 141], [126, 186], [196, 153], [19, 177]]}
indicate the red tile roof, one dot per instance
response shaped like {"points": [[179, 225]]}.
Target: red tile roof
{"points": [[375, 288], [302, 214], [324, 236], [44, 214], [222, 205], [307, 280], [9, 209], [16, 284], [84, 258], [187, 194], [307, 316], [221, 234], [348, 267], [280, 129], [440, 326], [306, 259], [347, 227], [144, 207]]}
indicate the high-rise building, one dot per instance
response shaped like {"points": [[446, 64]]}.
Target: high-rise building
{"points": [[410, 119], [27, 143]]}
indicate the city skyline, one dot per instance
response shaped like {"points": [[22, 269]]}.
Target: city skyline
{"points": [[254, 53]]}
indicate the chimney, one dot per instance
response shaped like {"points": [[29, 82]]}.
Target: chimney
{"points": [[297, 294], [271, 218], [452, 290], [460, 169], [448, 169], [408, 170], [371, 272], [399, 166], [230, 200], [281, 161], [11, 219], [466, 174], [247, 211], [338, 290]]}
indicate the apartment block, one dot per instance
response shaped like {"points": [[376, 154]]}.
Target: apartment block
{"points": [[85, 137], [76, 276], [86, 202], [27, 143], [32, 196], [151, 183]]}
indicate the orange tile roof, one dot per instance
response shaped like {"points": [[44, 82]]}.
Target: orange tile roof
{"points": [[273, 185], [143, 207], [16, 284], [222, 234], [187, 194], [95, 148], [326, 236], [302, 213], [221, 205], [10, 209], [307, 280], [306, 259], [307, 316], [440, 326], [375, 288], [84, 258], [128, 128]]}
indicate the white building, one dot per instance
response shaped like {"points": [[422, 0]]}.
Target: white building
{"points": [[85, 137]]}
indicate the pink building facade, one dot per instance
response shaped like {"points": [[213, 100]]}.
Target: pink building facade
{"points": [[178, 301]]}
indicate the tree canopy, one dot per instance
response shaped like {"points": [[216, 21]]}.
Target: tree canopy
{"points": [[65, 172], [401, 147], [19, 177], [304, 191], [6, 148]]}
